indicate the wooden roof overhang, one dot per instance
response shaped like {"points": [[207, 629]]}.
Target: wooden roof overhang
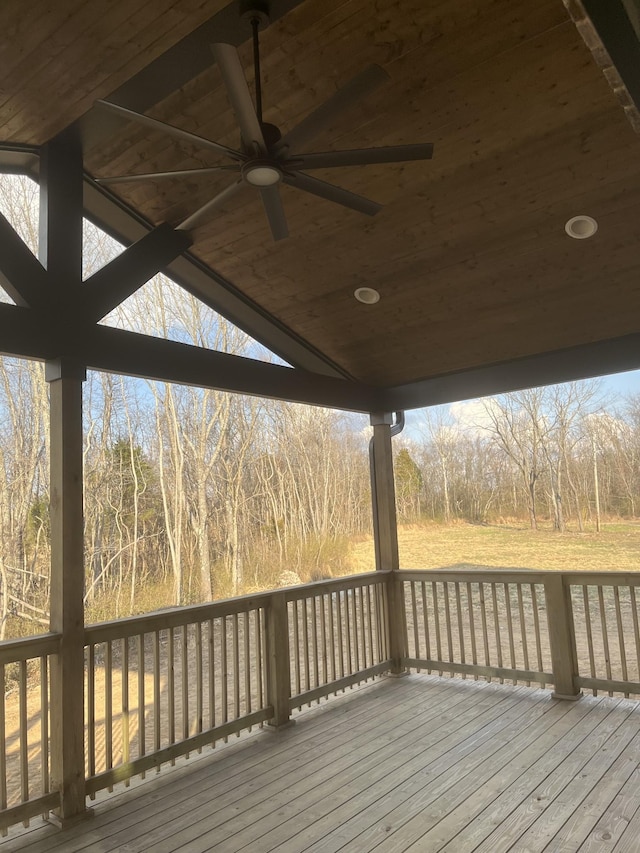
{"points": [[481, 289]]}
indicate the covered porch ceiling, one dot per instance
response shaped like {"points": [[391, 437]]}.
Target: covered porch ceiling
{"points": [[481, 288]]}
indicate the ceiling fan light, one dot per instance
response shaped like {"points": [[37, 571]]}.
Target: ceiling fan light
{"points": [[262, 175]]}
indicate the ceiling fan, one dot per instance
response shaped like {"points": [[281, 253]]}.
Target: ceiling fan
{"points": [[264, 158]]}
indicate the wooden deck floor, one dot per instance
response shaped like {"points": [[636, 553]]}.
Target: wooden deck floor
{"points": [[417, 763]]}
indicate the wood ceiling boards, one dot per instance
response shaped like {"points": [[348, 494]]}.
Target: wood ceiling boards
{"points": [[469, 252]]}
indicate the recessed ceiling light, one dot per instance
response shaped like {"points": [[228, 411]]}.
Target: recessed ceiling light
{"points": [[367, 295], [581, 227]]}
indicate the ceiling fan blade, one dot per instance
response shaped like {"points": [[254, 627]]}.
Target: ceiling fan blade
{"points": [[153, 176], [236, 84], [317, 121], [332, 193], [169, 129], [215, 203], [275, 212], [362, 156]]}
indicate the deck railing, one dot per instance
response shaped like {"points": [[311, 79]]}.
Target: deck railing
{"points": [[175, 681], [492, 625], [25, 779], [607, 631]]}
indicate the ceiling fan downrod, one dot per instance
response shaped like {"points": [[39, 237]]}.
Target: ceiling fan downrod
{"points": [[258, 16]]}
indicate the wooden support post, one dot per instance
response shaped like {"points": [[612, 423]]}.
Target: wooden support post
{"points": [[67, 587], [278, 665], [383, 494], [564, 658], [397, 617], [60, 252], [385, 529]]}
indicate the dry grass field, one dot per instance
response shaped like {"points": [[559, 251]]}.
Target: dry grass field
{"points": [[434, 546]]}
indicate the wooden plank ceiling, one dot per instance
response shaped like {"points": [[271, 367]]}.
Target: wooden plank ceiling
{"points": [[469, 253]]}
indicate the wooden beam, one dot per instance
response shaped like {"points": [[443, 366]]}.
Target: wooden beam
{"points": [[582, 362], [30, 334], [23, 276], [608, 32], [118, 351], [67, 587], [116, 281], [61, 218]]}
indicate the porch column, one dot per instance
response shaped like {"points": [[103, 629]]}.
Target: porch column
{"points": [[67, 586], [383, 495], [60, 252], [385, 531]]}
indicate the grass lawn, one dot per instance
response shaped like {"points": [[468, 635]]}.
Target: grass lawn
{"points": [[431, 546]]}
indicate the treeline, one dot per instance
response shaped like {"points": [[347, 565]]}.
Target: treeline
{"points": [[562, 455]]}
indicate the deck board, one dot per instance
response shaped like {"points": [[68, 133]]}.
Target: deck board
{"points": [[419, 763]]}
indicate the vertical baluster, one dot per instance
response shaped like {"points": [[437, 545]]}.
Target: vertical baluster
{"points": [[447, 612], [3, 744], [347, 622], [142, 730], [236, 669], [587, 620], [247, 665], [605, 637], [184, 680], [512, 650], [212, 677], [414, 611], [224, 674], [157, 718], [363, 633], [425, 616], [472, 628], [523, 630], [485, 629], [496, 625], [436, 621], [199, 682], [24, 747], [378, 597], [91, 713], [171, 688], [125, 703], [354, 629], [257, 636], [463, 657], [44, 723], [323, 640], [621, 643], [340, 634], [372, 659], [536, 627], [297, 655], [385, 620], [108, 711], [313, 601], [636, 628], [305, 637], [332, 637]]}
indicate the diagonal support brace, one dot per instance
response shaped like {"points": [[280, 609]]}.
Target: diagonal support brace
{"points": [[110, 286]]}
